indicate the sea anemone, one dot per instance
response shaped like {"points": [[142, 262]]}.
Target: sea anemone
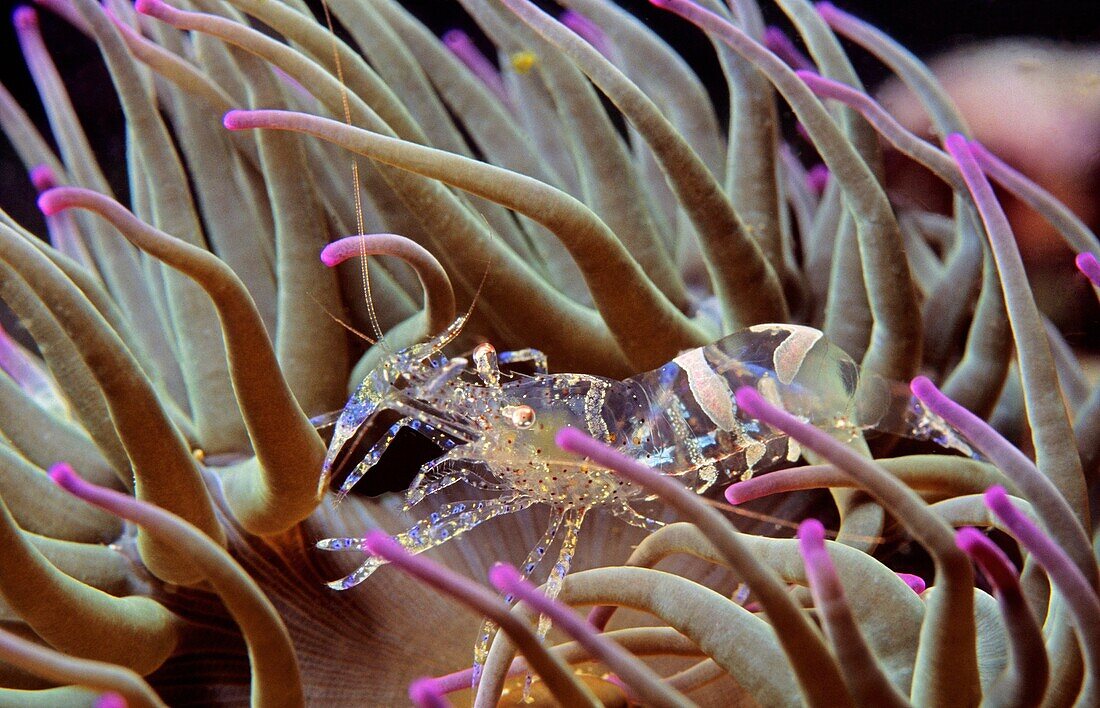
{"points": [[173, 362]]}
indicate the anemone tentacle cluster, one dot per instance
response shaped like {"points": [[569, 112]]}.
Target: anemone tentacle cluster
{"points": [[161, 487]]}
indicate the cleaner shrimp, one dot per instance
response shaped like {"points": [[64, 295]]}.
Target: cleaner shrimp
{"points": [[496, 427], [497, 430]]}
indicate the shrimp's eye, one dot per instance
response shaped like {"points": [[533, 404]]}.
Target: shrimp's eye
{"points": [[522, 417]]}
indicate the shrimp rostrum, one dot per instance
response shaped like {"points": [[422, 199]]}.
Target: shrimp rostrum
{"points": [[497, 428]]}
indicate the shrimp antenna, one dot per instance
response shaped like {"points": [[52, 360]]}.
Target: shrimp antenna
{"points": [[335, 318], [477, 293], [781, 522], [456, 327], [376, 328]]}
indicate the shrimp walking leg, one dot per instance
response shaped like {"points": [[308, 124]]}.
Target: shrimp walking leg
{"points": [[439, 474], [372, 457], [534, 557], [451, 521], [524, 356]]}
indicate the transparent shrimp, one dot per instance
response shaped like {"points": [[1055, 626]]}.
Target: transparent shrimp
{"points": [[496, 430]]}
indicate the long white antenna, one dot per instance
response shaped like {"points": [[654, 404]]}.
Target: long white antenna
{"points": [[376, 328]]}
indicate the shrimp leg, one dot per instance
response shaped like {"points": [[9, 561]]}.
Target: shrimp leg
{"points": [[574, 517], [451, 521], [523, 356], [624, 512], [371, 459], [488, 627], [433, 477], [487, 362]]}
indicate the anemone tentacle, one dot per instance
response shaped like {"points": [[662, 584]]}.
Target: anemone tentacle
{"points": [[585, 199]]}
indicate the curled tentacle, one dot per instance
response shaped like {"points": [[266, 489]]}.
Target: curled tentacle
{"points": [[276, 680], [164, 470], [439, 297], [281, 488]]}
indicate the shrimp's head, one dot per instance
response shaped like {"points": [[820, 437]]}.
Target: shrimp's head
{"points": [[410, 373]]}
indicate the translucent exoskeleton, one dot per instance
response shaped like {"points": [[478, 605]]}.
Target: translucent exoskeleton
{"points": [[497, 429]]}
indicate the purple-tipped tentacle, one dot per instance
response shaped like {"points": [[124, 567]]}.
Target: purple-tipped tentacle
{"points": [[817, 177], [111, 700], [915, 582], [781, 481], [43, 178], [425, 693], [642, 681], [556, 675], [1080, 597], [588, 30], [464, 48], [1087, 264], [869, 686], [994, 563], [781, 45], [1024, 680], [1051, 507], [1049, 419], [1063, 573]]}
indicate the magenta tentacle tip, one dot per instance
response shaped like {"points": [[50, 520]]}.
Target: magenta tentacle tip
{"points": [[149, 7], [811, 534], [957, 144], [332, 254], [233, 120], [586, 29], [344, 249], [660, 3], [993, 561], [811, 546], [773, 36], [572, 19], [43, 178], [915, 582], [50, 202], [1088, 264], [733, 494], [996, 498], [505, 577], [808, 76], [826, 9], [378, 543], [569, 439], [967, 539], [455, 37], [64, 476], [111, 700], [425, 693], [817, 177], [24, 18], [750, 401], [923, 388]]}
